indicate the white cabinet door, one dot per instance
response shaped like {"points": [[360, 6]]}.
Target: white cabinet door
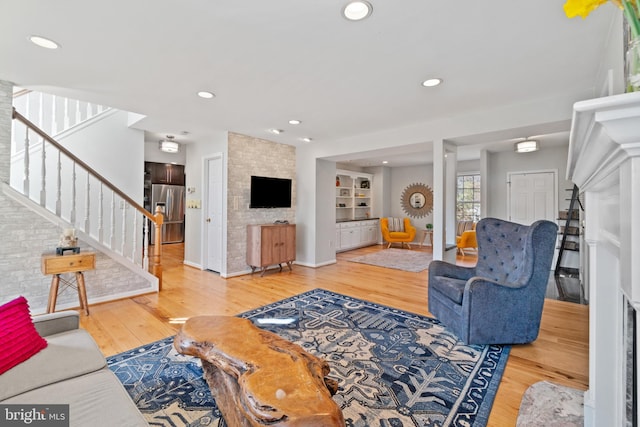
{"points": [[372, 236], [349, 235], [355, 237], [355, 234], [346, 238], [367, 233]]}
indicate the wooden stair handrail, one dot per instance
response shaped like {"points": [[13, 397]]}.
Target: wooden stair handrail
{"points": [[88, 168], [157, 219]]}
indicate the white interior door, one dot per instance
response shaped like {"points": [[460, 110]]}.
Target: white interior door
{"points": [[532, 196], [214, 214]]}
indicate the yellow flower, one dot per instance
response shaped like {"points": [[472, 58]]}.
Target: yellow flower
{"points": [[582, 7], [630, 8]]}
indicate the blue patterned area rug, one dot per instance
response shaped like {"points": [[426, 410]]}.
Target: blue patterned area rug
{"points": [[394, 368]]}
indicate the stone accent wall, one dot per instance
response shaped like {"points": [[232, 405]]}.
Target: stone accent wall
{"points": [[253, 156], [26, 236]]}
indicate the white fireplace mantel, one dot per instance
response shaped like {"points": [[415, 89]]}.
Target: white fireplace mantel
{"points": [[604, 161]]}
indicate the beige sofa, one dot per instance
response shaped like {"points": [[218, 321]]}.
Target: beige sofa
{"points": [[70, 370]]}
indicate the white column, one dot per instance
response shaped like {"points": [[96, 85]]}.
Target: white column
{"points": [[450, 188], [438, 199], [484, 181]]}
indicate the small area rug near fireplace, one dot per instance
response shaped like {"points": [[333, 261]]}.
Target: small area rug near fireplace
{"points": [[400, 259], [394, 368]]}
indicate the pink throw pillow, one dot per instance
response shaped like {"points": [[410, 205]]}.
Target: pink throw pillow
{"points": [[19, 339]]}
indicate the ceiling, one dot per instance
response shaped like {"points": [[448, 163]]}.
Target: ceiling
{"points": [[268, 62]]}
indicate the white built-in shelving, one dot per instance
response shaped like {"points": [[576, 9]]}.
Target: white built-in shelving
{"points": [[353, 195]]}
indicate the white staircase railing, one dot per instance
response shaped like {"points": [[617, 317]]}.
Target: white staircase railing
{"points": [[69, 188], [54, 114]]}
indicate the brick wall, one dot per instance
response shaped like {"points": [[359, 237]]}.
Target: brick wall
{"points": [[25, 236], [253, 156]]}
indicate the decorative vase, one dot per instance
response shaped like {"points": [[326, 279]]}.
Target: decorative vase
{"points": [[632, 64]]}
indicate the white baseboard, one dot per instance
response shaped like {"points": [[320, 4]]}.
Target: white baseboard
{"points": [[193, 264], [236, 273], [97, 300], [322, 264]]}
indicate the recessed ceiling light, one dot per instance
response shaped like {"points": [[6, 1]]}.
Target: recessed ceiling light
{"points": [[307, 139], [44, 42], [384, 162], [276, 131], [431, 82], [294, 122], [357, 10], [206, 95]]}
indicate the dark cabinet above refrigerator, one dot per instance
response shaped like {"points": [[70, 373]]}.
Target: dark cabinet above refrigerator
{"points": [[164, 173], [164, 188]]}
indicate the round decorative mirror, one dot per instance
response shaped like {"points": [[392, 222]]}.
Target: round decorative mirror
{"points": [[417, 200]]}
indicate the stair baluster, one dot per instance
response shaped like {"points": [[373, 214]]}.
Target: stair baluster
{"points": [[27, 151]]}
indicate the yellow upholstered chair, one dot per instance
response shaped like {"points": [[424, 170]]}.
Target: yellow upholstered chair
{"points": [[466, 236], [402, 237]]}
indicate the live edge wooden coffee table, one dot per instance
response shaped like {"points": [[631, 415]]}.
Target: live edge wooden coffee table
{"points": [[258, 378]]}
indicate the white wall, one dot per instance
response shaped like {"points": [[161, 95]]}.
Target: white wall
{"points": [[612, 61], [500, 164], [195, 153], [325, 219], [468, 166], [310, 197], [152, 153], [113, 150], [400, 179]]}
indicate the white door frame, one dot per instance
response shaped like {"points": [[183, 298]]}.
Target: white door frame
{"points": [[555, 187], [205, 203]]}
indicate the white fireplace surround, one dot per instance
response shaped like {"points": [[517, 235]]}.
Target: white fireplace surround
{"points": [[604, 161]]}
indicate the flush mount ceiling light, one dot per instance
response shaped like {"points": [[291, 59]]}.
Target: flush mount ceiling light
{"points": [[431, 82], [44, 42], [357, 10], [294, 122], [526, 146], [169, 145], [206, 95]]}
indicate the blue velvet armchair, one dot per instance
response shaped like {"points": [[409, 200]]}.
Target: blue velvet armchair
{"points": [[500, 300]]}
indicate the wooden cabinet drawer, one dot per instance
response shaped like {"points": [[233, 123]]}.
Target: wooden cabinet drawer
{"points": [[58, 264]]}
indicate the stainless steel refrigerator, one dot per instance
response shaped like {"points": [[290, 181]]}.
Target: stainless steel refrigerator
{"points": [[171, 199]]}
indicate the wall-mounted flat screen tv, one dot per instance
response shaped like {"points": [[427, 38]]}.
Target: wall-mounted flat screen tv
{"points": [[270, 192]]}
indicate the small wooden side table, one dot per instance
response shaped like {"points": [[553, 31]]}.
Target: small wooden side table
{"points": [[423, 237], [60, 264]]}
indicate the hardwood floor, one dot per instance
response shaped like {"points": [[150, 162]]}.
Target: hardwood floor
{"points": [[560, 354]]}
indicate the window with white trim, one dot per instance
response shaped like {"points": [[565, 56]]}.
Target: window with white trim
{"points": [[468, 197]]}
